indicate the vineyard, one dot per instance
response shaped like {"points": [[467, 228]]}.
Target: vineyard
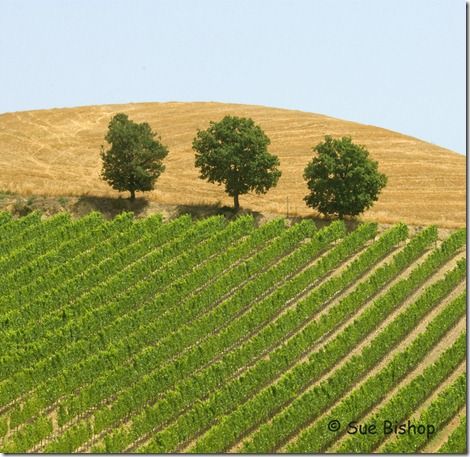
{"points": [[139, 335]]}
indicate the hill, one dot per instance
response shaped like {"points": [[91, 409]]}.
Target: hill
{"points": [[56, 152], [208, 336]]}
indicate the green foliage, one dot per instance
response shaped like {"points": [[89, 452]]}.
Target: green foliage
{"points": [[150, 334], [5, 217], [438, 413], [233, 232], [135, 159], [73, 328], [261, 406], [233, 152], [170, 375], [77, 237], [318, 437], [12, 229], [188, 309], [70, 440], [270, 435], [34, 241], [409, 397], [239, 389], [3, 426], [342, 180], [457, 441], [288, 386], [29, 436]]}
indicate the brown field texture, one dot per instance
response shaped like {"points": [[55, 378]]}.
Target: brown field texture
{"points": [[57, 152]]}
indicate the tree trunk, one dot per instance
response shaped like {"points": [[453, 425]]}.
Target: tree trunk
{"points": [[236, 203], [132, 191]]}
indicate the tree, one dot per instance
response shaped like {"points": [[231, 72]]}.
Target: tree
{"points": [[342, 179], [134, 161], [234, 152]]}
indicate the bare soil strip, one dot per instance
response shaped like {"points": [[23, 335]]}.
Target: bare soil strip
{"points": [[51, 408], [260, 297], [327, 337], [288, 305], [431, 357], [292, 303], [218, 302], [357, 349], [435, 444], [437, 275], [325, 308]]}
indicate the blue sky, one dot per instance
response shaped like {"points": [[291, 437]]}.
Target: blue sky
{"points": [[395, 64]]}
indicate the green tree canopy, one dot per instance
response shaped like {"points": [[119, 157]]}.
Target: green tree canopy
{"points": [[134, 161], [342, 180], [234, 152]]}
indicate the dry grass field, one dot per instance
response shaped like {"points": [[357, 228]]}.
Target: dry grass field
{"points": [[56, 152]]}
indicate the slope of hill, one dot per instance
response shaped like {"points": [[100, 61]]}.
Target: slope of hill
{"points": [[207, 336], [56, 152]]}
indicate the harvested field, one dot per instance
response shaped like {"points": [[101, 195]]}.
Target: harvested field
{"points": [[56, 152]]}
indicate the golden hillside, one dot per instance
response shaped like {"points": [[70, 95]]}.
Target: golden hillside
{"points": [[56, 152]]}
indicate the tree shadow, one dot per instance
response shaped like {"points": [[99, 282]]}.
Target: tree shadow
{"points": [[322, 222], [109, 206], [200, 211]]}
